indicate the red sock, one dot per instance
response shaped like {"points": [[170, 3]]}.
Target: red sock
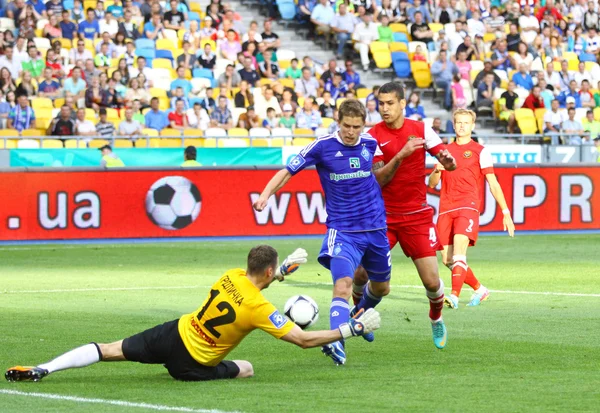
{"points": [[471, 280], [459, 273], [436, 302]]}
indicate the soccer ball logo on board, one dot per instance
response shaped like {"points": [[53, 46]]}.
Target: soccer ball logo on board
{"points": [[173, 202]]}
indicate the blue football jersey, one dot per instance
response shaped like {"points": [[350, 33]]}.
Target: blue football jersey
{"points": [[352, 195]]}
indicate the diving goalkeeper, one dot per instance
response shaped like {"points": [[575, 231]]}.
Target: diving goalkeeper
{"points": [[193, 347]]}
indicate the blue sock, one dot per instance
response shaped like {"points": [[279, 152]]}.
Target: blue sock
{"points": [[339, 312], [368, 300]]}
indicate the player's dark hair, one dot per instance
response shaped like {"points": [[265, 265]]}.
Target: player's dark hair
{"points": [[393, 87], [260, 258], [352, 108]]}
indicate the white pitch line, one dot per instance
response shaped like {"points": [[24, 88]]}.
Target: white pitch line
{"points": [[121, 403], [277, 285]]}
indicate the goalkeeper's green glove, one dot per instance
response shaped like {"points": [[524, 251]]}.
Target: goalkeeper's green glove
{"points": [[363, 322], [291, 263]]}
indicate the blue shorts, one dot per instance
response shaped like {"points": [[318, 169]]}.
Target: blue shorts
{"points": [[371, 249]]}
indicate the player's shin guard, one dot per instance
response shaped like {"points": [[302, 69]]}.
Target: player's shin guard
{"points": [[80, 357], [368, 300], [471, 280], [339, 312], [436, 302], [459, 272], [357, 293]]}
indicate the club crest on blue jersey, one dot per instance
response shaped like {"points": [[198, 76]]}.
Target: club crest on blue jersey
{"points": [[354, 163], [337, 249], [365, 154], [277, 319], [297, 162]]}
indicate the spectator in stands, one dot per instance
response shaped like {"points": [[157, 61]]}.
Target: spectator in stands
{"points": [[109, 24], [243, 98], [554, 50], [322, 16], [27, 23], [93, 95], [154, 29], [529, 25], [80, 52], [84, 127], [104, 128], [384, 30], [585, 95], [464, 66], [475, 24], [39, 8], [485, 92], [508, 103], [128, 27], [522, 78], [63, 124], [249, 119], [458, 94], [328, 74], [77, 13], [501, 60], [293, 71], [178, 118], [343, 26], [590, 18], [173, 18], [336, 86], [103, 61], [495, 23], [373, 116], [34, 65], [266, 100], [230, 47], [99, 10], [573, 128], [364, 34], [445, 14], [308, 117], [130, 127], [548, 9], [436, 125], [288, 120], [187, 59], [198, 117], [269, 68], [49, 87], [570, 92], [582, 74], [221, 117], [414, 109], [68, 29], [420, 30], [328, 105], [419, 8], [592, 126], [185, 84], [443, 70], [248, 73], [26, 87], [534, 100], [10, 62], [305, 8], [209, 103], [286, 98], [22, 116], [230, 78], [487, 68], [523, 56], [271, 121], [155, 118], [110, 97], [351, 77], [177, 96], [553, 120], [207, 59], [89, 28], [7, 84]]}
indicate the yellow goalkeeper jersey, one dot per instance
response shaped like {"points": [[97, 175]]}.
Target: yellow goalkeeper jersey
{"points": [[233, 308]]}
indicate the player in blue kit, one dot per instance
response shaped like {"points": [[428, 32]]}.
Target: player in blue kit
{"points": [[356, 220]]}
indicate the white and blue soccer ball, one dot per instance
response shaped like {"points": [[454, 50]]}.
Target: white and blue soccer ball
{"points": [[173, 202], [302, 310]]}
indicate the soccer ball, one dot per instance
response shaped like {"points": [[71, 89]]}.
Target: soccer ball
{"points": [[173, 202], [302, 310]]}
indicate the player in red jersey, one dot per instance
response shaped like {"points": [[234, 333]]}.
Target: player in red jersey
{"points": [[400, 171], [460, 200]]}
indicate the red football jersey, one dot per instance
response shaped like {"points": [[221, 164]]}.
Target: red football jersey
{"points": [[462, 188], [406, 193]]}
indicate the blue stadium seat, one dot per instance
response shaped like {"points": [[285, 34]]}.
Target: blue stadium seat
{"points": [[204, 73], [587, 57], [147, 53], [144, 44], [287, 9], [192, 15], [400, 37], [401, 64], [193, 101], [164, 54]]}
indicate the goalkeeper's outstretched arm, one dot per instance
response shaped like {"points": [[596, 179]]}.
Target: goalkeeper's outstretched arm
{"points": [[274, 185], [367, 322]]}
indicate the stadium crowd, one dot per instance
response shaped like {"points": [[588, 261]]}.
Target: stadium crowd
{"points": [[153, 68]]}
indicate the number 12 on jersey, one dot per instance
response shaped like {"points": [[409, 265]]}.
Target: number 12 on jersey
{"points": [[224, 307]]}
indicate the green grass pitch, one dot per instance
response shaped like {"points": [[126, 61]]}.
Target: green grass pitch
{"points": [[515, 353]]}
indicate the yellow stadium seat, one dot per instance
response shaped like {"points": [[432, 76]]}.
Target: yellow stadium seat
{"points": [[277, 142], [211, 42], [43, 122], [436, 27], [65, 43], [9, 132], [8, 144], [557, 66], [112, 113], [376, 46], [162, 63], [524, 113], [165, 44], [153, 143], [302, 141], [33, 132], [123, 143], [597, 114], [164, 103], [149, 132], [589, 66], [327, 122], [98, 143], [195, 7], [52, 144], [399, 28], [265, 81], [41, 103], [303, 132], [233, 142], [287, 82], [75, 144], [489, 37], [170, 132], [170, 143], [339, 101], [235, 132], [260, 142], [197, 142], [416, 66], [194, 133], [528, 126], [284, 64], [398, 47], [383, 60], [422, 78], [210, 142], [59, 102], [140, 143]]}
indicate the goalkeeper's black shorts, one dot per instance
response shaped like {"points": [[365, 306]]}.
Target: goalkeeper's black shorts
{"points": [[163, 345]]}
